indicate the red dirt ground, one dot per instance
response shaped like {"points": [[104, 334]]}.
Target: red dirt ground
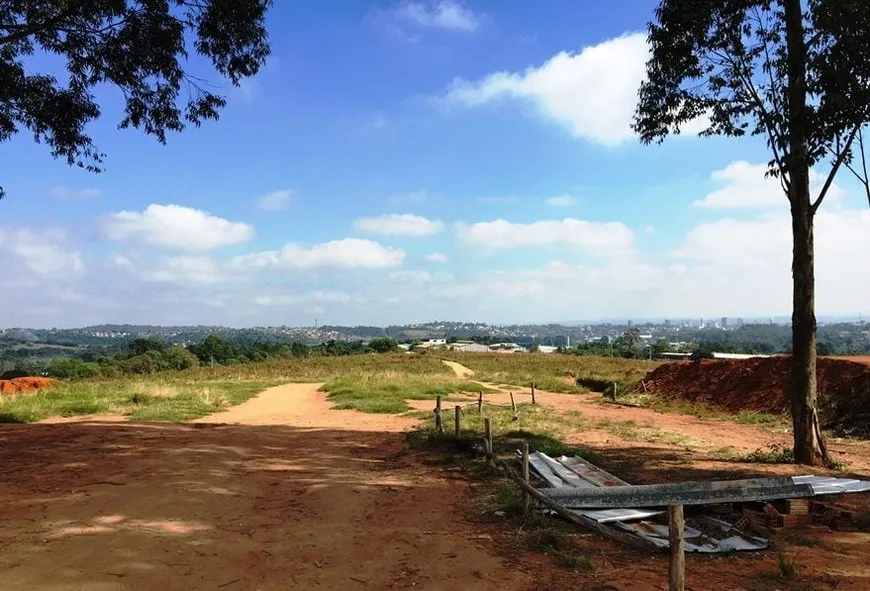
{"points": [[24, 385], [282, 492], [759, 384]]}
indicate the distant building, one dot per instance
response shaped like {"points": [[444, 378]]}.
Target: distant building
{"points": [[471, 348], [724, 322]]}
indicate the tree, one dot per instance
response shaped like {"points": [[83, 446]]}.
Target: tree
{"points": [[179, 358], [143, 345], [797, 77], [142, 47], [73, 369], [384, 345]]}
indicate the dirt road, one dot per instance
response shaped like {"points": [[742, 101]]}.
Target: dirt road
{"points": [[290, 495]]}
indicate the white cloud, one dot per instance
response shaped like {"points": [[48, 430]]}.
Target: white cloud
{"points": [[603, 238], [187, 269], [349, 253], [275, 201], [563, 200], [436, 257], [176, 226], [44, 252], [437, 14], [745, 187], [399, 225], [593, 92], [315, 297], [71, 193], [120, 261]]}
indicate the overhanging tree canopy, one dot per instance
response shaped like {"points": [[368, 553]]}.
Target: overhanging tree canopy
{"points": [[797, 75], [139, 46]]}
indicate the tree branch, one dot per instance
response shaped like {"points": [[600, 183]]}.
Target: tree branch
{"points": [[841, 157], [26, 30], [864, 179]]}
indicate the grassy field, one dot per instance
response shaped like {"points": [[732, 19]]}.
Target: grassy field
{"points": [[544, 428], [369, 383], [554, 372], [140, 400]]}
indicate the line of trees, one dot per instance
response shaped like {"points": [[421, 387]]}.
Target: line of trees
{"points": [[148, 355]]}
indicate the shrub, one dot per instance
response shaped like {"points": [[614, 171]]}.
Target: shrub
{"points": [[73, 369]]}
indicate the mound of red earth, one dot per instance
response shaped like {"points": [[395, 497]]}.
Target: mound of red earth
{"points": [[762, 384], [24, 385]]}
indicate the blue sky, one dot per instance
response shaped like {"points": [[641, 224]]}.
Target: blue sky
{"points": [[404, 161]]}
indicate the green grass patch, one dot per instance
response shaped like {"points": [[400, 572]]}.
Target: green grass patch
{"points": [[774, 454], [385, 391], [647, 432], [142, 400], [543, 428], [705, 411]]}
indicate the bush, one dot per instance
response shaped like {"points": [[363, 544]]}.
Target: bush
{"points": [[179, 358], [384, 345], [73, 369]]}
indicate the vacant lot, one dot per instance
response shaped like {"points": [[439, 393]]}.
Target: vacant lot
{"points": [[285, 491]]}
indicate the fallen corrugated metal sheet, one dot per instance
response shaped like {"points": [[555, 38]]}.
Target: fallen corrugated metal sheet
{"points": [[557, 475], [576, 474], [704, 493], [715, 540]]}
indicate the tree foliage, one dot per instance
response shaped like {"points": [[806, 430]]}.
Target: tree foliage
{"points": [[722, 64], [141, 47]]}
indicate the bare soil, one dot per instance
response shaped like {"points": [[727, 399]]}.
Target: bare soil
{"points": [[24, 385], [762, 384], [282, 492]]}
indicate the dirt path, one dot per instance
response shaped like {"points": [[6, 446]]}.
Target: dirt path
{"points": [[304, 405], [291, 495], [459, 369], [603, 423]]}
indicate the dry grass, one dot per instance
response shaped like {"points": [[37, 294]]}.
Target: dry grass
{"points": [[553, 372]]}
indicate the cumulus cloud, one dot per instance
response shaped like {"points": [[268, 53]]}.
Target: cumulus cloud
{"points": [[602, 238], [437, 14], [44, 252], [593, 92], [399, 225], [563, 200], [744, 186], [176, 226], [436, 257], [184, 269], [314, 297], [71, 193], [275, 201], [349, 253]]}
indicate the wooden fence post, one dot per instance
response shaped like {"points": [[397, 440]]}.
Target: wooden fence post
{"points": [[458, 413], [677, 568], [439, 425], [487, 433], [526, 498], [613, 392], [513, 404], [480, 401], [533, 392]]}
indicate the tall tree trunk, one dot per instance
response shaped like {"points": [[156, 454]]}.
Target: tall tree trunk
{"points": [[809, 446]]}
